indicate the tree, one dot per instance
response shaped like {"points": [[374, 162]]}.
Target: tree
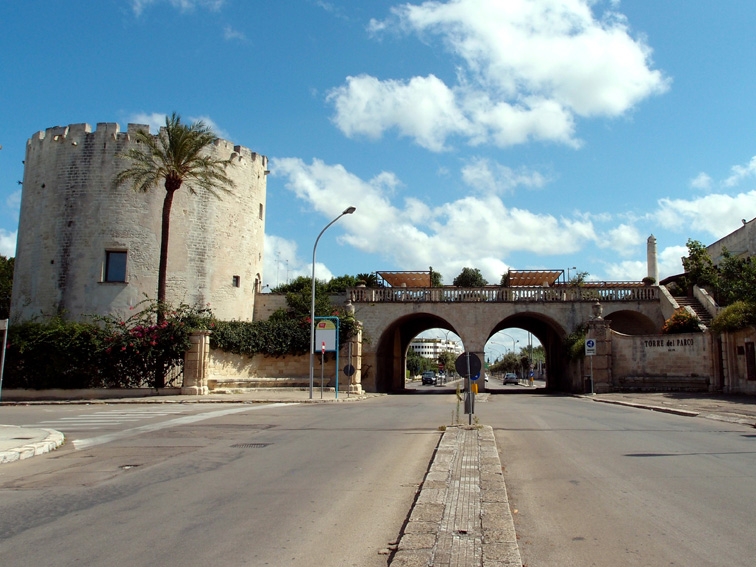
{"points": [[436, 278], [470, 277], [447, 358], [6, 285], [371, 280], [737, 279], [177, 155], [699, 268], [578, 279]]}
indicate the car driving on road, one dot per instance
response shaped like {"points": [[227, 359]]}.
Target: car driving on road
{"points": [[429, 377], [510, 378]]}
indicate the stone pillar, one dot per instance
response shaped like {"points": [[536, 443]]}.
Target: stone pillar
{"points": [[600, 330], [355, 343], [355, 381], [196, 361]]}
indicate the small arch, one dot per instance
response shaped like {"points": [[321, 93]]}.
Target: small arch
{"points": [[631, 323]]}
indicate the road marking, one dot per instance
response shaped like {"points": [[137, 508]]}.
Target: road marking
{"points": [[87, 443]]}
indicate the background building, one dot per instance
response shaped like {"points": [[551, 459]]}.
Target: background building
{"points": [[86, 247], [432, 348]]}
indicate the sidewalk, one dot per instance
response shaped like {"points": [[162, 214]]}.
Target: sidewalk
{"points": [[730, 408]]}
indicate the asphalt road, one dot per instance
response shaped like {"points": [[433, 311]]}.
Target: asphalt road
{"points": [[331, 484], [317, 484], [603, 485]]}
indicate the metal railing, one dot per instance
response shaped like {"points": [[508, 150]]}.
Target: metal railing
{"points": [[611, 291]]}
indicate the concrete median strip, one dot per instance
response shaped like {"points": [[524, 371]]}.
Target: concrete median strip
{"points": [[42, 441], [461, 516]]}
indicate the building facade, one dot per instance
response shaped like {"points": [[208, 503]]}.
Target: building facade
{"points": [[433, 348], [86, 247]]}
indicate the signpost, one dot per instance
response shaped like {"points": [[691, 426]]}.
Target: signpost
{"points": [[327, 334], [590, 351], [468, 365]]}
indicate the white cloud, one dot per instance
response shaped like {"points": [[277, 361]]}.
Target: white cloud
{"points": [[669, 261], [491, 177], [627, 271], [282, 263], [717, 214], [422, 108], [477, 231], [138, 6], [625, 239], [13, 201], [230, 33], [740, 172], [8, 243], [528, 67], [701, 181]]}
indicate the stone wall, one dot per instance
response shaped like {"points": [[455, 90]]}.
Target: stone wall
{"points": [[739, 361], [230, 371], [71, 215], [682, 362]]}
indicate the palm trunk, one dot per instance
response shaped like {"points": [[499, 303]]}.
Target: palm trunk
{"points": [[162, 277]]}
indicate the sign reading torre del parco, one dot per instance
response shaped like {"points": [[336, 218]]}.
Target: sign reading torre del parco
{"points": [[327, 340]]}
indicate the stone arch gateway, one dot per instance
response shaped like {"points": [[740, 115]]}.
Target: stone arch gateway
{"points": [[392, 317]]}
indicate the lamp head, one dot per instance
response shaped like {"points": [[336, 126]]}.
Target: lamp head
{"points": [[349, 211]]}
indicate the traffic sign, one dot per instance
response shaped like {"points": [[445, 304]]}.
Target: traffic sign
{"points": [[349, 370], [461, 364], [475, 377], [590, 347]]}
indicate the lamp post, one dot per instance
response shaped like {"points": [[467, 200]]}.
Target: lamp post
{"points": [[347, 211]]}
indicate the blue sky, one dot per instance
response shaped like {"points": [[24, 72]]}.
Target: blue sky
{"points": [[469, 133]]}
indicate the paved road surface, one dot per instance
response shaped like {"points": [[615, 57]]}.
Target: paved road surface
{"points": [[324, 484], [598, 484]]}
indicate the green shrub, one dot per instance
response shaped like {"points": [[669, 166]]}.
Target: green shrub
{"points": [[54, 354], [681, 321], [105, 353], [736, 316], [574, 344]]}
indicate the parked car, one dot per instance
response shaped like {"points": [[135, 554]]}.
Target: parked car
{"points": [[511, 378], [429, 377]]}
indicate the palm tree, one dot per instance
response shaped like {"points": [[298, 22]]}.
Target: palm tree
{"points": [[176, 155]]}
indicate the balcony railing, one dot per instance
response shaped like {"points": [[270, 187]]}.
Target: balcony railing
{"points": [[611, 291]]}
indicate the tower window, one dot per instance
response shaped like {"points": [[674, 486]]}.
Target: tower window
{"points": [[115, 266], [261, 211], [236, 281]]}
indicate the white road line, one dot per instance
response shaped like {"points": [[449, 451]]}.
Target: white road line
{"points": [[86, 443]]}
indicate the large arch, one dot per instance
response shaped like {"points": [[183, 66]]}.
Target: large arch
{"points": [[393, 345], [551, 335]]}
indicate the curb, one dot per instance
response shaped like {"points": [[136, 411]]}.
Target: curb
{"points": [[53, 440], [734, 418], [661, 409]]}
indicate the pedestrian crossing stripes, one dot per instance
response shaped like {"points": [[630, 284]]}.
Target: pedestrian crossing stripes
{"points": [[99, 419]]}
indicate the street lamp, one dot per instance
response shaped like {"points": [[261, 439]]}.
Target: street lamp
{"points": [[347, 211]]}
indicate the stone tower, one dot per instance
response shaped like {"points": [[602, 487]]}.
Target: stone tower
{"points": [[651, 259], [85, 247]]}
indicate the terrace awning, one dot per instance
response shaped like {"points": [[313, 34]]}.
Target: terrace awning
{"points": [[406, 279]]}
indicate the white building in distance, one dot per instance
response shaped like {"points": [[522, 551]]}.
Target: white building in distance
{"points": [[432, 348]]}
